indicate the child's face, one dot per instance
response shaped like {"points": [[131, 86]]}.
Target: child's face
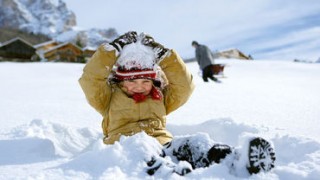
{"points": [[134, 86]]}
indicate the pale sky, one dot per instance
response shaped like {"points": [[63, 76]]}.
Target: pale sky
{"points": [[266, 29]]}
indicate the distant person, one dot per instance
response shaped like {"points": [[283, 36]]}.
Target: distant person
{"points": [[205, 60]]}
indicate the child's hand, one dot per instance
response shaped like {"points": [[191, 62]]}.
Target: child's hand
{"points": [[125, 39], [160, 50]]}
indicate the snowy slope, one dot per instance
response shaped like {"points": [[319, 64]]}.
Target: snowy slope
{"points": [[48, 131]]}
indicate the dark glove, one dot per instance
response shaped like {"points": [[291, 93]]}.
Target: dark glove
{"points": [[127, 38], [160, 50]]}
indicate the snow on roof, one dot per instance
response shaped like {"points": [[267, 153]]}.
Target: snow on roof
{"points": [[16, 39], [89, 48], [230, 49], [137, 54], [44, 43], [61, 45]]}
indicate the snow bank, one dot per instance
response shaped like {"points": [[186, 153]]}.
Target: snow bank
{"points": [[80, 153], [48, 140]]}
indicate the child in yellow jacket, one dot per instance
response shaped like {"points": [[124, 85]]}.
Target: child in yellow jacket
{"points": [[147, 83], [134, 83]]}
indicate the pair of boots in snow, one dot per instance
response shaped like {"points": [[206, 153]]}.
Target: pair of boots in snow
{"points": [[257, 155]]}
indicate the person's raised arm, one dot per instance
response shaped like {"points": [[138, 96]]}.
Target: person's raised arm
{"points": [[180, 79], [94, 80]]}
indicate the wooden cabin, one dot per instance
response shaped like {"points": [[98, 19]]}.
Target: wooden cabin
{"points": [[66, 52], [88, 52], [18, 49], [43, 47], [46, 45]]}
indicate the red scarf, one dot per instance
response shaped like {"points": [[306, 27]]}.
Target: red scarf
{"points": [[154, 93]]}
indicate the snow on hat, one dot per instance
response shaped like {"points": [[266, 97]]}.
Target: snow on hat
{"points": [[136, 61]]}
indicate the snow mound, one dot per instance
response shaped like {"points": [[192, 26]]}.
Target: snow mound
{"points": [[219, 130], [26, 150], [58, 140], [128, 157], [80, 153]]}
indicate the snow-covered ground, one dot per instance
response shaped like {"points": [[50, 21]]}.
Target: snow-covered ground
{"points": [[48, 130]]}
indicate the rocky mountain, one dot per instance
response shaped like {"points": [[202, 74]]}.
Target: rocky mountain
{"points": [[89, 39], [49, 17]]}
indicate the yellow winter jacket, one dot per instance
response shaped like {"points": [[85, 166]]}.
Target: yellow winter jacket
{"points": [[121, 115]]}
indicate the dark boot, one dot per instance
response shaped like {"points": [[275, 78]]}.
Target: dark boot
{"points": [[215, 79], [261, 156], [153, 166], [218, 152], [186, 152]]}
